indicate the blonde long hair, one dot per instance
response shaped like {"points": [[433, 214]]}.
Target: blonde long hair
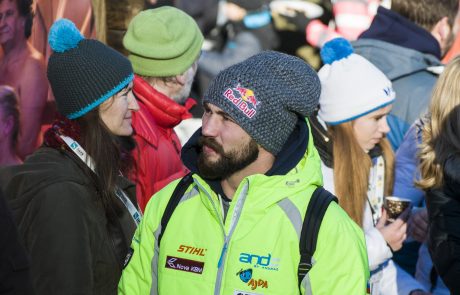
{"points": [[441, 132], [351, 170]]}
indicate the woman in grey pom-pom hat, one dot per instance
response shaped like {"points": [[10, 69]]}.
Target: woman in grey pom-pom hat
{"points": [[75, 211]]}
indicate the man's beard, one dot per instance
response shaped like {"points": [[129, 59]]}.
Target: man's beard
{"points": [[181, 96], [229, 162]]}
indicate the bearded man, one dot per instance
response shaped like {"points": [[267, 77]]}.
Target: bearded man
{"points": [[236, 227]]}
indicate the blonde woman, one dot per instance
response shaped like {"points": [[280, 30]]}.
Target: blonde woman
{"points": [[357, 159], [440, 175]]}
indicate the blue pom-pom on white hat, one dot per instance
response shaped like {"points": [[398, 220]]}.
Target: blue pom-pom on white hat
{"points": [[351, 86], [335, 50], [64, 36]]}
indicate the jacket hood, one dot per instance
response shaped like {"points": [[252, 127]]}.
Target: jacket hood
{"points": [[389, 26], [393, 60], [296, 166]]}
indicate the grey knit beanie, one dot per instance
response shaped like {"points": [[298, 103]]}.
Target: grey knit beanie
{"points": [[83, 73], [265, 94]]}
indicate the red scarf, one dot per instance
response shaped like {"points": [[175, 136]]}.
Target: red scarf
{"points": [[167, 112]]}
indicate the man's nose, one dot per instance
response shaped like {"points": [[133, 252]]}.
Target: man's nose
{"points": [[210, 127]]}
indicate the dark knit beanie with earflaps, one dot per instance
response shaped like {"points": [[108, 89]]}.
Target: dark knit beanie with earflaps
{"points": [[83, 73], [265, 95]]}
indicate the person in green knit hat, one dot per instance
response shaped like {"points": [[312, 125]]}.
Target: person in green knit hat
{"points": [[164, 45]]}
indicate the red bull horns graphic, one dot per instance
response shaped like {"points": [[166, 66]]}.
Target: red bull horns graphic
{"points": [[244, 99]]}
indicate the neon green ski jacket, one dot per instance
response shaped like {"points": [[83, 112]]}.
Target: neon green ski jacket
{"points": [[255, 250]]}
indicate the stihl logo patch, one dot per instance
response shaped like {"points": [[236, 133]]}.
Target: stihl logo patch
{"points": [[192, 250], [184, 264]]}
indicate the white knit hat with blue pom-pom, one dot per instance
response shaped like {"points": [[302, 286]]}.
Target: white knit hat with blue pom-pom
{"points": [[83, 73], [351, 86]]}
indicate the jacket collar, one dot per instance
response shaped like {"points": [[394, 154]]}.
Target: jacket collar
{"points": [[393, 28], [166, 111], [289, 166]]}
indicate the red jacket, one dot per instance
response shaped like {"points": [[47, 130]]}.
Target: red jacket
{"points": [[157, 156]]}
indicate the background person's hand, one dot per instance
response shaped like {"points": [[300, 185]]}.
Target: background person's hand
{"points": [[394, 233], [417, 225]]}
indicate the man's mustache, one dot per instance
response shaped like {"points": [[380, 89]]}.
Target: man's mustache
{"points": [[212, 143]]}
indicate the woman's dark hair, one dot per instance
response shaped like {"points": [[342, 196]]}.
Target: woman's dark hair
{"points": [[110, 153]]}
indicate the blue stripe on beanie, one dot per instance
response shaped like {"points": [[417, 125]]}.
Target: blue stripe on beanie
{"points": [[102, 99]]}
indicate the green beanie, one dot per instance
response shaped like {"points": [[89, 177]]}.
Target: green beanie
{"points": [[162, 42]]}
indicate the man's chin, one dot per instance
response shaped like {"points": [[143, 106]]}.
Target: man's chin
{"points": [[210, 157]]}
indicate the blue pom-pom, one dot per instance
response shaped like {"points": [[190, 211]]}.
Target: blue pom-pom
{"points": [[64, 35], [336, 49]]}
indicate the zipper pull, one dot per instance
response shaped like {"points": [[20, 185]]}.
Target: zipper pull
{"points": [[222, 255]]}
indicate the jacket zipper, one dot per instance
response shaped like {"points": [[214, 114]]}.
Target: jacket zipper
{"points": [[234, 221]]}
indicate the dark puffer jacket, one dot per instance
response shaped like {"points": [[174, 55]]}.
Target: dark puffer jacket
{"points": [[444, 218], [14, 265], [74, 247]]}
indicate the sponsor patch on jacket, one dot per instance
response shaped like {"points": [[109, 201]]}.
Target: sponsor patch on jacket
{"points": [[260, 261], [184, 264], [246, 277], [192, 250], [243, 99], [128, 257], [238, 292]]}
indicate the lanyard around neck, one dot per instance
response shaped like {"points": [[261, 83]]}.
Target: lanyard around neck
{"points": [[81, 153]]}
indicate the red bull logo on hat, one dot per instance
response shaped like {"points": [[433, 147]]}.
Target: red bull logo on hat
{"points": [[244, 99]]}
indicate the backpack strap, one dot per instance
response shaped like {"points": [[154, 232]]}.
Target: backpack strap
{"points": [[316, 209], [176, 196]]}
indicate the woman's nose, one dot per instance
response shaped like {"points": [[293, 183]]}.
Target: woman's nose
{"points": [[132, 102], [383, 125]]}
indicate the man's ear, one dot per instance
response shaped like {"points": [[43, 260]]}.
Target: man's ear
{"points": [[182, 79], [442, 33]]}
